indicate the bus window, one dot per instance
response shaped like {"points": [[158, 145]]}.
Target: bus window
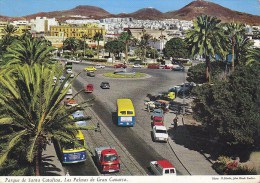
{"points": [[123, 112], [130, 112]]}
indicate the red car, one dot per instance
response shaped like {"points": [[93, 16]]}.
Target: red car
{"points": [[153, 66], [158, 121], [120, 66]]}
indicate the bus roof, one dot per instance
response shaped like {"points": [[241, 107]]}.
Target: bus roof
{"points": [[80, 135], [125, 104]]}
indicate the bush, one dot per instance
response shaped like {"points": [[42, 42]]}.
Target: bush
{"points": [[95, 59], [221, 167]]}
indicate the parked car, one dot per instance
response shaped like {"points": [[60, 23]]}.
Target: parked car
{"points": [[153, 66], [70, 102], [69, 71], [105, 85], [157, 112], [168, 66], [160, 133], [90, 73], [137, 66], [161, 66], [90, 68], [158, 121], [185, 89], [99, 66], [77, 115], [107, 159], [62, 78], [120, 66], [162, 167]]}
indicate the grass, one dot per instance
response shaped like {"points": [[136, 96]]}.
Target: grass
{"points": [[112, 75]]}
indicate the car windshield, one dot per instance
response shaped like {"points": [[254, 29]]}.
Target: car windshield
{"points": [[161, 131], [157, 120], [110, 157], [130, 112]]}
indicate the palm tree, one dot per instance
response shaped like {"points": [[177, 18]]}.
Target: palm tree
{"points": [[154, 40], [126, 37], [234, 30], [30, 107], [10, 30], [98, 37], [205, 39], [144, 43], [253, 56], [71, 44], [28, 50]]}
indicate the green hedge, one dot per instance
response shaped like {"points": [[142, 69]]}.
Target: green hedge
{"points": [[95, 59]]}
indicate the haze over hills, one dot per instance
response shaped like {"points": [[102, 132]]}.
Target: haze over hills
{"points": [[188, 12]]}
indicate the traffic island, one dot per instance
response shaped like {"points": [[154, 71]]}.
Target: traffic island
{"points": [[124, 75]]}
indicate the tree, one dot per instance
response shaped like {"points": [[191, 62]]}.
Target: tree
{"points": [[205, 38], [114, 47], [28, 51], [126, 37], [98, 37], [235, 31], [10, 30], [71, 44], [229, 109], [253, 56], [144, 43], [32, 113], [154, 40], [176, 48]]}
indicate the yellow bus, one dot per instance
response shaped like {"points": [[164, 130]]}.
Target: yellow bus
{"points": [[125, 112], [74, 153]]}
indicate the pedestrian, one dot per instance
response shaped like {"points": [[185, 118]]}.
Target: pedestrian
{"points": [[175, 122], [148, 107]]}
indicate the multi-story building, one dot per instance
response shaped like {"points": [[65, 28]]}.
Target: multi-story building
{"points": [[65, 31], [42, 25]]}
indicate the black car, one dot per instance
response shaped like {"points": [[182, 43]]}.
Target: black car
{"points": [[91, 74], [105, 85], [179, 68], [185, 89]]}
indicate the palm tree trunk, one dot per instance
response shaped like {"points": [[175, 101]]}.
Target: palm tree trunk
{"points": [[98, 49], [208, 69], [233, 53], [126, 51], [38, 159]]}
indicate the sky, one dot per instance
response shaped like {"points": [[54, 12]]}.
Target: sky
{"points": [[26, 7]]}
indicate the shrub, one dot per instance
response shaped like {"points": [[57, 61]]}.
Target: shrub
{"points": [[222, 164]]}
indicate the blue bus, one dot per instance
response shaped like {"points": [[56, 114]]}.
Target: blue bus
{"points": [[125, 112]]}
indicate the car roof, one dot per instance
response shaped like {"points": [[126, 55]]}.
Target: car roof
{"points": [[165, 164], [105, 82], [157, 117], [109, 151], [160, 127]]}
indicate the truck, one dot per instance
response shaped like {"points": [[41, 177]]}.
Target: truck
{"points": [[107, 159], [162, 167]]}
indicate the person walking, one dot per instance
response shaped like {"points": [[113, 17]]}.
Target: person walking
{"points": [[175, 122]]}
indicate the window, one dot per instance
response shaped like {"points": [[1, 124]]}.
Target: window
{"points": [[172, 171], [109, 158], [167, 171], [129, 112], [123, 112]]}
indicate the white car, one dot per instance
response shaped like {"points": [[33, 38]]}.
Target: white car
{"points": [[137, 66], [69, 71], [160, 133], [99, 66]]}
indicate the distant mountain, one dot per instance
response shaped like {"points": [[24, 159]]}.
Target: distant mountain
{"points": [[188, 12], [147, 13], [92, 12], [196, 8]]}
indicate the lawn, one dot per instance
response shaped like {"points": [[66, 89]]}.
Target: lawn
{"points": [[136, 75]]}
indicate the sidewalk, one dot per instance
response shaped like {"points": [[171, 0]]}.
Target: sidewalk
{"points": [[51, 165], [195, 162]]}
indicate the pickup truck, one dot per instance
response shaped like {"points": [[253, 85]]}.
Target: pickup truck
{"points": [[107, 159], [162, 167]]}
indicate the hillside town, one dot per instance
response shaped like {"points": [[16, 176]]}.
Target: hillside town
{"points": [[110, 28]]}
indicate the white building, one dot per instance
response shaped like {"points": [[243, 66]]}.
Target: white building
{"points": [[42, 24]]}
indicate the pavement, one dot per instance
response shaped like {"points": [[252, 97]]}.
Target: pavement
{"points": [[51, 165]]}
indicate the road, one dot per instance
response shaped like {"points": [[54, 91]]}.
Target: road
{"points": [[135, 140]]}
